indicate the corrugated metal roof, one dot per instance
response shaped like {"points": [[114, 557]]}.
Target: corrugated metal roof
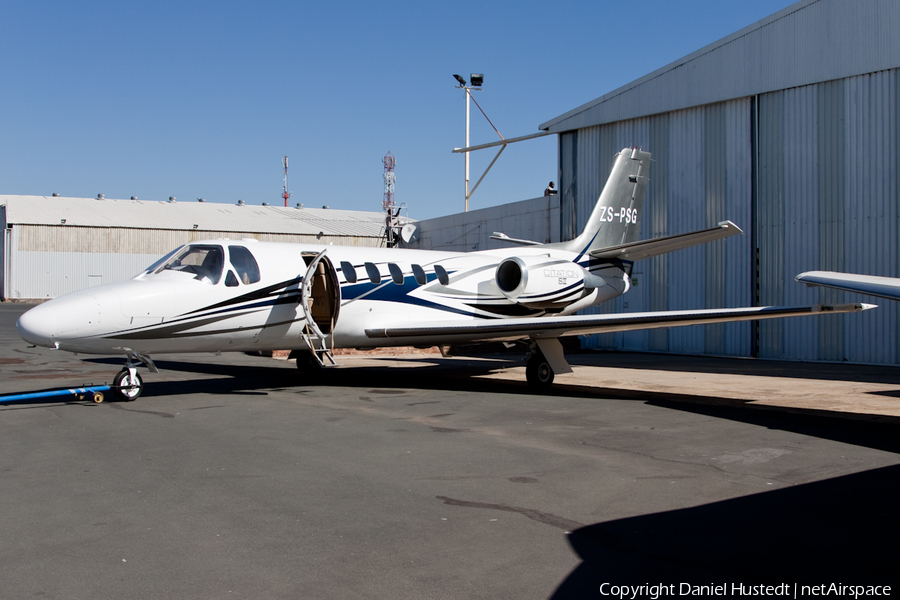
{"points": [[199, 216], [808, 42]]}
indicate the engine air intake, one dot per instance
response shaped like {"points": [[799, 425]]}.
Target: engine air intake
{"points": [[540, 281]]}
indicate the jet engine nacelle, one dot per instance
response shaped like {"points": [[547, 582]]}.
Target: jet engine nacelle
{"points": [[540, 281]]}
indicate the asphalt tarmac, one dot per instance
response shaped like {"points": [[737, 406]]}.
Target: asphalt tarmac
{"points": [[425, 477]]}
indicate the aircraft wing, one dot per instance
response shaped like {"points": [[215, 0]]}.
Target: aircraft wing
{"points": [[884, 287], [648, 248], [551, 327]]}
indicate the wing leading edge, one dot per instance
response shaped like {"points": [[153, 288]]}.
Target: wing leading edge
{"points": [[549, 327], [884, 287]]}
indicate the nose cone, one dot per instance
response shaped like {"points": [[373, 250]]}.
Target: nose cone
{"points": [[38, 326]]}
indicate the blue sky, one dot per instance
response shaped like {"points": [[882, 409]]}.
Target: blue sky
{"points": [[203, 99]]}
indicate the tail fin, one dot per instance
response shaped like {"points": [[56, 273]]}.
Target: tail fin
{"points": [[615, 219]]}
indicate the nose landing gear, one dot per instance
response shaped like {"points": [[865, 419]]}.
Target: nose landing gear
{"points": [[128, 384]]}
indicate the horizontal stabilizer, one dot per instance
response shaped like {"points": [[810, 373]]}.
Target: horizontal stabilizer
{"points": [[883, 287], [647, 248], [517, 328], [505, 238]]}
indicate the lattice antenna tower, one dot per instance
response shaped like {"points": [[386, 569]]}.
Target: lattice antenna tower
{"points": [[389, 163], [285, 194]]}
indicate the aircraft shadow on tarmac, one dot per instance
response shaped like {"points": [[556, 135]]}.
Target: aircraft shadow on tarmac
{"points": [[453, 374], [841, 530]]}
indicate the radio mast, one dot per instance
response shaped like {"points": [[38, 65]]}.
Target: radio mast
{"points": [[285, 194], [388, 203], [389, 163]]}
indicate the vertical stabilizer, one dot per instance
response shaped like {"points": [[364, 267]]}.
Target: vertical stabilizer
{"points": [[616, 218]]}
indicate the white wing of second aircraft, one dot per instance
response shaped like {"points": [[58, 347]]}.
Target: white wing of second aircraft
{"points": [[883, 287], [551, 327]]}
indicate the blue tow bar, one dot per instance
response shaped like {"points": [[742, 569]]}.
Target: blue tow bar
{"points": [[96, 392]]}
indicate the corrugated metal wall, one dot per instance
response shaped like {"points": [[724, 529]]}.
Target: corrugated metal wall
{"points": [[827, 198], [46, 261], [829, 201], [536, 219], [700, 175], [62, 238]]}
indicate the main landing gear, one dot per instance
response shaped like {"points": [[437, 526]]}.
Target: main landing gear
{"points": [[545, 360], [538, 371]]}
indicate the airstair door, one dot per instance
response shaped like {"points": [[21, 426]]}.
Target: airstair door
{"points": [[320, 302]]}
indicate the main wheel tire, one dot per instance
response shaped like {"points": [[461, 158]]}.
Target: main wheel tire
{"points": [[126, 387], [538, 371]]}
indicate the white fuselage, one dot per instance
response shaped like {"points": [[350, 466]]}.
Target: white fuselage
{"points": [[168, 310]]}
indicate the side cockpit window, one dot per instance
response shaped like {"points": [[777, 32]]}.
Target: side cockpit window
{"points": [[245, 266], [204, 262]]}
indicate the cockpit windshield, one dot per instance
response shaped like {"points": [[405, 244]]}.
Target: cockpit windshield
{"points": [[155, 267], [204, 262]]}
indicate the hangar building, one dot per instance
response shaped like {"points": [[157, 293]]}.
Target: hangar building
{"points": [[536, 219], [53, 245], [789, 128]]}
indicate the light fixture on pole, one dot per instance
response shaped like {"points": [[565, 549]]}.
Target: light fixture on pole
{"points": [[477, 80]]}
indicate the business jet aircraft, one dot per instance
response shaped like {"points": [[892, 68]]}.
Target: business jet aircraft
{"points": [[224, 295], [872, 285]]}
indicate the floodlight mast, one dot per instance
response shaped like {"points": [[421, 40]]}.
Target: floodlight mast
{"points": [[476, 81], [468, 89], [468, 98]]}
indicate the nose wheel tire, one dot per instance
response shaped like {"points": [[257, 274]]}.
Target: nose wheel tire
{"points": [[538, 371], [128, 387]]}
